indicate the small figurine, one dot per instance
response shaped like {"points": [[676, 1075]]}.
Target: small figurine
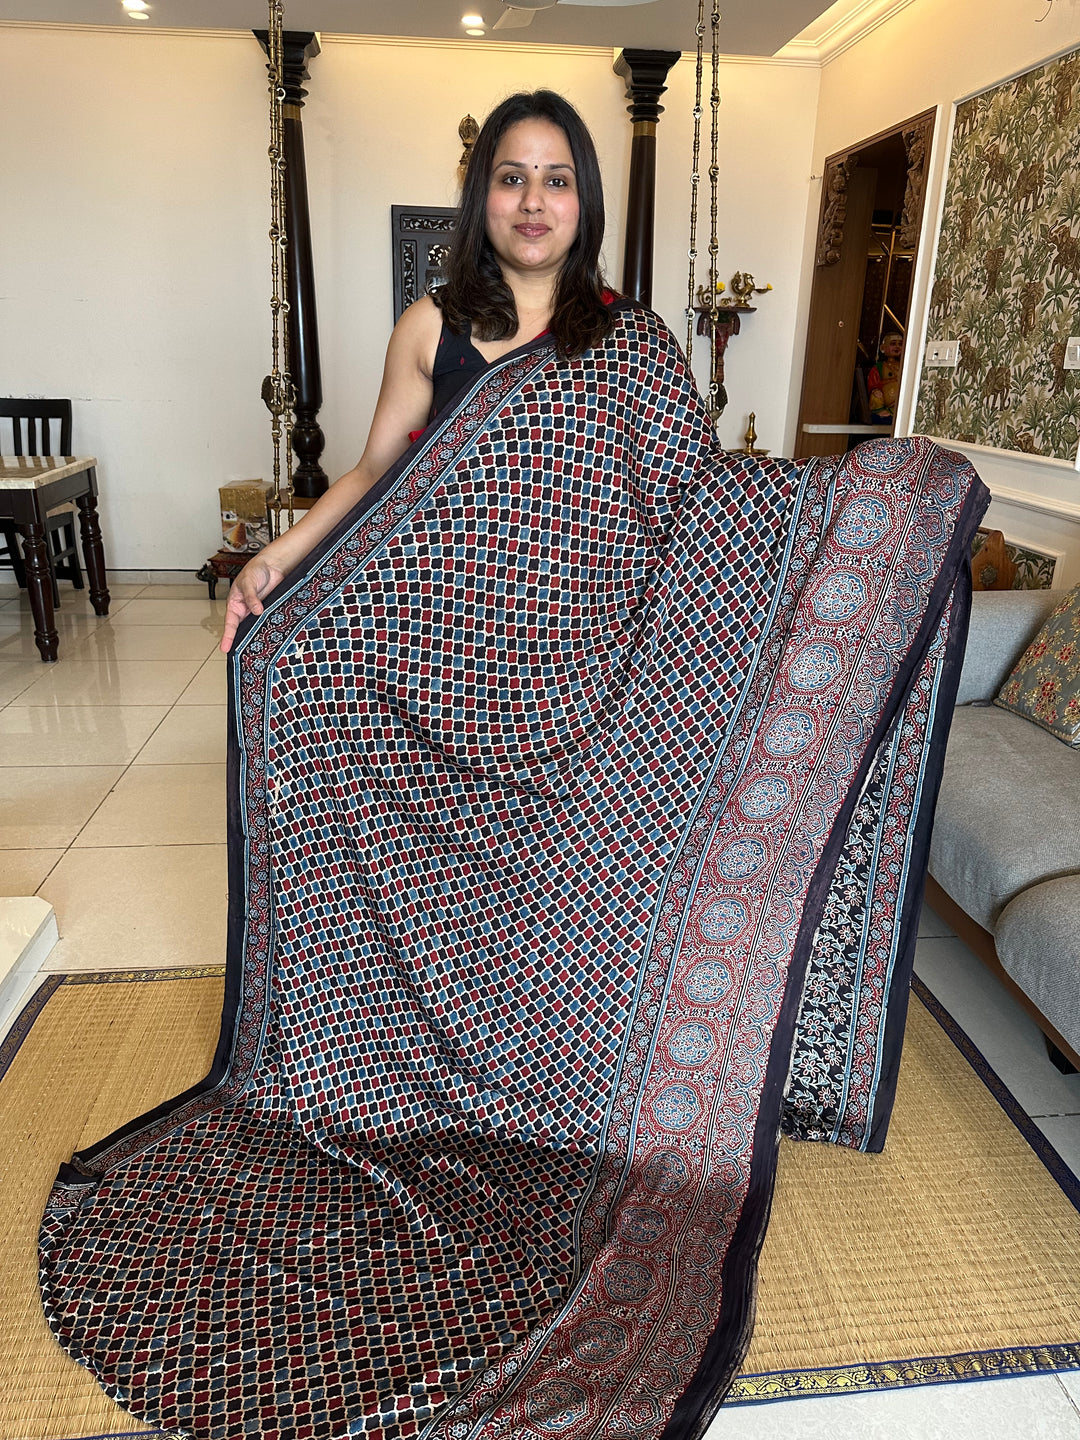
{"points": [[883, 381], [742, 287]]}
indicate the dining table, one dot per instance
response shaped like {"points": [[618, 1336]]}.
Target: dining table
{"points": [[31, 486]]}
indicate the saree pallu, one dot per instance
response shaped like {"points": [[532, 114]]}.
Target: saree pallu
{"points": [[580, 787]]}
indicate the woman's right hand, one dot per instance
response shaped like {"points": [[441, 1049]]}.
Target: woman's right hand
{"points": [[256, 579]]}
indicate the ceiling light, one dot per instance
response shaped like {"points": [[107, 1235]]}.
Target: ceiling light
{"points": [[132, 5], [138, 15], [475, 32], [472, 20]]}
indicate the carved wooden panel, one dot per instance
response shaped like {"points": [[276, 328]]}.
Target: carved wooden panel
{"points": [[421, 242], [917, 138], [833, 210]]}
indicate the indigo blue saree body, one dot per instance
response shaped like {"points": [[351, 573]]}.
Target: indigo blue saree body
{"points": [[579, 794]]}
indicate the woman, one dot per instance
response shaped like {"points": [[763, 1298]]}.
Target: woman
{"points": [[546, 873], [526, 260]]}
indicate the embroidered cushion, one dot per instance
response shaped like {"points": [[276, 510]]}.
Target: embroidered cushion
{"points": [[1045, 685]]}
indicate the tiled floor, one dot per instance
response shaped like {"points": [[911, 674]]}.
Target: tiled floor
{"points": [[112, 807]]}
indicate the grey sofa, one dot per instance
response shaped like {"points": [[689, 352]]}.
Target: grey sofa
{"points": [[1005, 851]]}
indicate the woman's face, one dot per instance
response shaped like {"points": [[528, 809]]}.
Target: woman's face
{"points": [[532, 205]]}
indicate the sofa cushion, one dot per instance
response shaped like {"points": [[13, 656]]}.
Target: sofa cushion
{"points": [[1045, 685], [1003, 625], [1008, 815], [1038, 943]]}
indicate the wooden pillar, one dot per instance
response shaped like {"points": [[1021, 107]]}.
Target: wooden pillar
{"points": [[644, 72], [308, 479]]}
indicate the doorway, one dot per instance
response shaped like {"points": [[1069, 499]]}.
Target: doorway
{"points": [[872, 205]]}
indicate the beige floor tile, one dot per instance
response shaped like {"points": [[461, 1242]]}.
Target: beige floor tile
{"points": [[17, 634], [17, 676], [150, 611], [22, 871], [125, 589], [122, 909], [42, 806], [196, 590], [150, 642], [191, 735], [76, 735], [210, 686], [78, 602], [104, 681], [161, 805]]}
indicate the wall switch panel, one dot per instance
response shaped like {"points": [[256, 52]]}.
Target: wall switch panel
{"points": [[1072, 353], [943, 352]]}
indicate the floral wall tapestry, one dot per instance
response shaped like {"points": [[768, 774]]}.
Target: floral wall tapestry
{"points": [[1007, 281]]}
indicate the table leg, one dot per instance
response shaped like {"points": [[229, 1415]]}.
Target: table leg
{"points": [[93, 553], [39, 586]]}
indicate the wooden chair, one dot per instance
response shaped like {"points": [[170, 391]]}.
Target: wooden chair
{"points": [[992, 567], [42, 427]]}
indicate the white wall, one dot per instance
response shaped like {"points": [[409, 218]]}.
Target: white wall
{"points": [[937, 52], [134, 270]]}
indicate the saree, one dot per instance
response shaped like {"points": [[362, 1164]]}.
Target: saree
{"points": [[580, 785]]}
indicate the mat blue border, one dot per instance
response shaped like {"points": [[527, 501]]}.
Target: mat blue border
{"points": [[23, 1022]]}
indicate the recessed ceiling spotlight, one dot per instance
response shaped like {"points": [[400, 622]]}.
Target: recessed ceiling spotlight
{"points": [[472, 20], [477, 33], [133, 6], [138, 15]]}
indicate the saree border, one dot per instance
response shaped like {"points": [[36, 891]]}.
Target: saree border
{"points": [[703, 1396]]}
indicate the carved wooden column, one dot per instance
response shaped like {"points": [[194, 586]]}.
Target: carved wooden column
{"points": [[644, 72], [309, 479]]}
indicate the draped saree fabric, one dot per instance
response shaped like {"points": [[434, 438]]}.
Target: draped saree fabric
{"points": [[579, 795]]}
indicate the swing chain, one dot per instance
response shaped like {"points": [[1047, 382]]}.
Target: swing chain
{"points": [[695, 178], [714, 184], [705, 305], [278, 392]]}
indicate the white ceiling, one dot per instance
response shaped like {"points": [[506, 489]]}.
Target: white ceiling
{"points": [[749, 27]]}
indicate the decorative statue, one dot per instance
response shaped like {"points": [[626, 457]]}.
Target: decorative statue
{"points": [[883, 381]]}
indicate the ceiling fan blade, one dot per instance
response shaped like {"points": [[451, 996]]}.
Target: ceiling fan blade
{"points": [[512, 19]]}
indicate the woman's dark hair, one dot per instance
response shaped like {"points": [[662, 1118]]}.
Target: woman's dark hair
{"points": [[475, 292]]}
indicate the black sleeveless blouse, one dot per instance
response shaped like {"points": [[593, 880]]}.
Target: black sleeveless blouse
{"points": [[457, 363]]}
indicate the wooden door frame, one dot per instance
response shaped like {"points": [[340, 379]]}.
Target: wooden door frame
{"points": [[917, 134]]}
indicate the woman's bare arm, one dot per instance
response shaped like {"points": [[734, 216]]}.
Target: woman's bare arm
{"points": [[403, 406]]}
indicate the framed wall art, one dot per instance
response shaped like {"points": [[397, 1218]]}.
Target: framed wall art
{"points": [[421, 237]]}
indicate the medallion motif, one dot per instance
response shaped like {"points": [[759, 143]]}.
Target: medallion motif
{"points": [[692, 1044], [723, 919], [765, 797], [815, 666], [627, 1281], [862, 523], [839, 596], [707, 982], [741, 859], [666, 1173], [789, 734], [676, 1107]]}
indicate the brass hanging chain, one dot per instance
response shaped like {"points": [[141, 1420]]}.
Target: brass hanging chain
{"points": [[714, 184], [695, 178], [278, 393]]}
